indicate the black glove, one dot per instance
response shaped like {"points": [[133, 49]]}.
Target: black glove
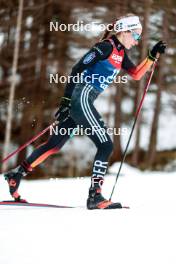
{"points": [[64, 110], [158, 48]]}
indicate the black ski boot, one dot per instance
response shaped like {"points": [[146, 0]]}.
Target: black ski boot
{"points": [[13, 178], [97, 201]]}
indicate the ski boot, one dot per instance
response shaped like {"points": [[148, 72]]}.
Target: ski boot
{"points": [[13, 178], [97, 201]]}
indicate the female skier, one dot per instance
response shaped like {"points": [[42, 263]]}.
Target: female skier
{"points": [[105, 59]]}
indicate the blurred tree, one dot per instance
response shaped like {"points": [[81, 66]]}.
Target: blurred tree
{"points": [[141, 83], [151, 155], [13, 84]]}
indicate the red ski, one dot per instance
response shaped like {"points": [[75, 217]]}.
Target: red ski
{"points": [[13, 203]]}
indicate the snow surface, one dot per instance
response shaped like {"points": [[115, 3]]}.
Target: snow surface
{"points": [[146, 233]]}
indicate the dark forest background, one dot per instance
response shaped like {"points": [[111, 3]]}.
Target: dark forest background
{"points": [[43, 52]]}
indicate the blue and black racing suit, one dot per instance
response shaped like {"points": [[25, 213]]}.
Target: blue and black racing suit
{"points": [[98, 68]]}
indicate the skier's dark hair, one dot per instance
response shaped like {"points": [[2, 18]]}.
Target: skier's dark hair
{"points": [[107, 32]]}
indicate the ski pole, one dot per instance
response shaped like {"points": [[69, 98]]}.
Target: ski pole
{"points": [[135, 120], [30, 141]]}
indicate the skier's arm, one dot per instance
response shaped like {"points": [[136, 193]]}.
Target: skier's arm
{"points": [[136, 72], [99, 52]]}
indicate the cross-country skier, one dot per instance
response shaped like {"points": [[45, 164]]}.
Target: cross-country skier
{"points": [[105, 59]]}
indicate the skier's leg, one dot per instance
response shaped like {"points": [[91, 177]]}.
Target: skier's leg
{"points": [[84, 113], [53, 145], [100, 165]]}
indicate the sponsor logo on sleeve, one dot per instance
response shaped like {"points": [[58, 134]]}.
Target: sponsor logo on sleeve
{"points": [[89, 58]]}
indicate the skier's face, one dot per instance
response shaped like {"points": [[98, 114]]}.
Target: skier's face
{"points": [[131, 38]]}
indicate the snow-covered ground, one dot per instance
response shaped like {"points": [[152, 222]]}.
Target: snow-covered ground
{"points": [[145, 234]]}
